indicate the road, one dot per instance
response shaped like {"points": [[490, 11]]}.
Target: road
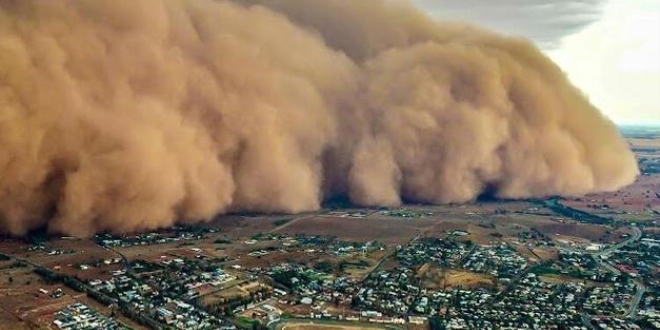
{"points": [[636, 236], [632, 310], [641, 289], [387, 256]]}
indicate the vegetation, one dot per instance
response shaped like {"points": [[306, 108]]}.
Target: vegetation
{"points": [[324, 266], [361, 264], [556, 206], [247, 323]]}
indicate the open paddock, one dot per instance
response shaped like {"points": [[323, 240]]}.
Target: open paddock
{"points": [[436, 278], [637, 202], [388, 231], [244, 226], [223, 295]]}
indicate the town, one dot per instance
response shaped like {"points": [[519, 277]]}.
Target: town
{"points": [[475, 276]]}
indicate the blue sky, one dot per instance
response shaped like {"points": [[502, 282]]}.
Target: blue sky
{"points": [[610, 49]]}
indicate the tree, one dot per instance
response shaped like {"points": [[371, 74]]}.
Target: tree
{"points": [[324, 266], [355, 302]]}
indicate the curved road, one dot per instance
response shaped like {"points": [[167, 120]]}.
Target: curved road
{"points": [[641, 288]]}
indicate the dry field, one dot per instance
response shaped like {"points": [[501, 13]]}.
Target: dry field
{"points": [[78, 252], [490, 207], [236, 226], [12, 246], [441, 228], [635, 203], [551, 226], [465, 279], [436, 278], [276, 258], [475, 210], [578, 230], [154, 252], [388, 231], [103, 272], [223, 294], [147, 251], [84, 251], [546, 254], [644, 143]]}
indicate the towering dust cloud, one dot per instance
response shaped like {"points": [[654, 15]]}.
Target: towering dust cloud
{"points": [[122, 115]]}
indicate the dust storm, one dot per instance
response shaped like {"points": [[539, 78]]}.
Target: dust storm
{"points": [[121, 116]]}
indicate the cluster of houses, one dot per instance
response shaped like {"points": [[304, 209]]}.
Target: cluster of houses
{"points": [[524, 301], [49, 251], [444, 252], [179, 234], [649, 310], [520, 297], [584, 266], [391, 292], [188, 284], [610, 300], [79, 316], [158, 303], [641, 259], [498, 260], [181, 315], [614, 323]]}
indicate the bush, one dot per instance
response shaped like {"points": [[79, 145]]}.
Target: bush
{"points": [[324, 266]]}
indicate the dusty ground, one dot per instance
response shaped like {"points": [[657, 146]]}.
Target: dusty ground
{"points": [[246, 226], [648, 143], [545, 254], [222, 295], [436, 278], [637, 202], [388, 231], [78, 252]]}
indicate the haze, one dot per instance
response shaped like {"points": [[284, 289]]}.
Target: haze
{"points": [[123, 116]]}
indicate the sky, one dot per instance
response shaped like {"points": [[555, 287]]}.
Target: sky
{"points": [[610, 49]]}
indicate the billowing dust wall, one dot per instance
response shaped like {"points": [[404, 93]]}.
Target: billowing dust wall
{"points": [[123, 115]]}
